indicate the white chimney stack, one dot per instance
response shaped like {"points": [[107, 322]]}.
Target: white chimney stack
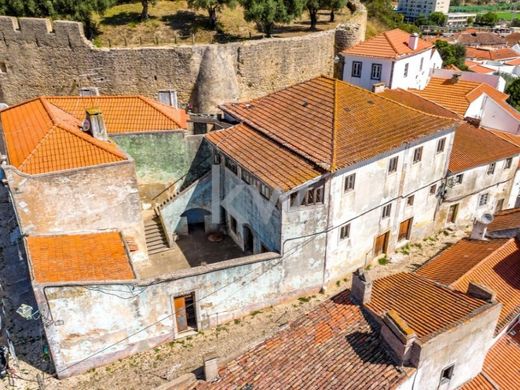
{"points": [[414, 41], [95, 125], [480, 227]]}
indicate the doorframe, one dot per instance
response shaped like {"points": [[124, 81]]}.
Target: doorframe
{"points": [[408, 233], [456, 205], [172, 297], [385, 246]]}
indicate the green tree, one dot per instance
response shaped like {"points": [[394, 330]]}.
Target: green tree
{"points": [[79, 10], [437, 19], [487, 19], [515, 22], [313, 6], [265, 13], [333, 6], [513, 90], [213, 7], [384, 12], [471, 20], [451, 54], [146, 4]]}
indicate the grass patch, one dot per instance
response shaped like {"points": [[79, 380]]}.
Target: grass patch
{"points": [[236, 321], [383, 260], [256, 312], [304, 299]]}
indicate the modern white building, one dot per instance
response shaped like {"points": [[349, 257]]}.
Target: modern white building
{"points": [[459, 19], [412, 9], [395, 59]]}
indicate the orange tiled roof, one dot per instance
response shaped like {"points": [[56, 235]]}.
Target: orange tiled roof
{"points": [[501, 367], [428, 307], [474, 146], [79, 257], [504, 220], [389, 44], [514, 62], [491, 54], [335, 124], [124, 114], [275, 165], [493, 263], [42, 138], [413, 100], [333, 346], [509, 137], [478, 68], [458, 95]]}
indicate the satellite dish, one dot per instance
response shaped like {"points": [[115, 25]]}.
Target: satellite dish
{"points": [[86, 125], [486, 218]]}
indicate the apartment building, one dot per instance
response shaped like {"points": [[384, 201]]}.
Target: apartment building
{"points": [[412, 9]]}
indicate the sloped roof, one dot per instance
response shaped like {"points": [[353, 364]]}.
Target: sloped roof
{"points": [[497, 267], [474, 146], [79, 257], [334, 124], [124, 114], [275, 165], [332, 346], [505, 219], [413, 100], [509, 137], [389, 44], [478, 68], [480, 38], [428, 307], [42, 138], [501, 366], [514, 62], [491, 54]]}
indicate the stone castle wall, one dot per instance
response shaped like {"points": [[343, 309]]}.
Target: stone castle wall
{"points": [[38, 57]]}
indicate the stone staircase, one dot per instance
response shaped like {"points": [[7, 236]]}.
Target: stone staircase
{"points": [[155, 237]]}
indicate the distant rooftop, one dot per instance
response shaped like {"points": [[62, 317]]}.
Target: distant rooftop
{"points": [[505, 220]]}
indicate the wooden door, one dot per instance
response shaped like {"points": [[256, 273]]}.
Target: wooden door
{"points": [[404, 229], [381, 244], [452, 213], [180, 314]]}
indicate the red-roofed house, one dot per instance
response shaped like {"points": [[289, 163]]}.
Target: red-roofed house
{"points": [[394, 58]]}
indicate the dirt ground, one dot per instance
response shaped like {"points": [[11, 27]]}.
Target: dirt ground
{"points": [[150, 369], [172, 22]]}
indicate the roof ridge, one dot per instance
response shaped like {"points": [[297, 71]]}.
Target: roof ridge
{"points": [[390, 42], [334, 127], [37, 146], [158, 106]]}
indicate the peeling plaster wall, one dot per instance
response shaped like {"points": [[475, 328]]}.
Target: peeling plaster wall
{"points": [[476, 182], [95, 198]]}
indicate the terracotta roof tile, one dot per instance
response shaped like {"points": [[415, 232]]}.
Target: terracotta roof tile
{"points": [[413, 100], [42, 138], [493, 263], [335, 124], [474, 146], [478, 68], [333, 346], [482, 38], [275, 165], [514, 62], [389, 44], [491, 54], [504, 220], [428, 307], [501, 367], [79, 257], [512, 138], [124, 114]]}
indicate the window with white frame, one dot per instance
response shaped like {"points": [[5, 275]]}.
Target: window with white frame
{"points": [[458, 178], [422, 63], [376, 72], [344, 231], [405, 70], [417, 154], [357, 66], [386, 211], [483, 199], [491, 168], [441, 144], [392, 164], [410, 200], [350, 182], [265, 190], [508, 163], [433, 189]]}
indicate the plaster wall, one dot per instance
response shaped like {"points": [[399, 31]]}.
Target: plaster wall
{"points": [[495, 81], [104, 197], [496, 117]]}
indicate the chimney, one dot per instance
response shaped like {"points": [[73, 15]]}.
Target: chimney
{"points": [[210, 367], [378, 87], [361, 290], [480, 227], [398, 337], [89, 91], [413, 42], [455, 78], [479, 291], [95, 125]]}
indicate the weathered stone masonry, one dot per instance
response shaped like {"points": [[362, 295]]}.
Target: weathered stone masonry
{"points": [[44, 58]]}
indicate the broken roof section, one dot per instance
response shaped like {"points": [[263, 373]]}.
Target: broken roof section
{"points": [[392, 44], [334, 345], [493, 263], [330, 123], [79, 258]]}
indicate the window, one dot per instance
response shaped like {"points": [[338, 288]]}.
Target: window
{"points": [[350, 182], [356, 68], [233, 224], [483, 199], [246, 176], [499, 206], [410, 200], [422, 63], [509, 162], [376, 72], [217, 158], [265, 191], [491, 168], [344, 231], [447, 374], [405, 70], [392, 164], [458, 179], [417, 154], [386, 211], [433, 189], [231, 165], [440, 145], [185, 316], [310, 197]]}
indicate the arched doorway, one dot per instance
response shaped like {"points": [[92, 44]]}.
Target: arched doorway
{"points": [[195, 219]]}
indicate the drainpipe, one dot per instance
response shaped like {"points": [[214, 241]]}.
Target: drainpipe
{"points": [[327, 230]]}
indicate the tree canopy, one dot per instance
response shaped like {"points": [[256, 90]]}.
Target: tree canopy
{"points": [[383, 11], [213, 7], [451, 54], [265, 13], [513, 90], [487, 19]]}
